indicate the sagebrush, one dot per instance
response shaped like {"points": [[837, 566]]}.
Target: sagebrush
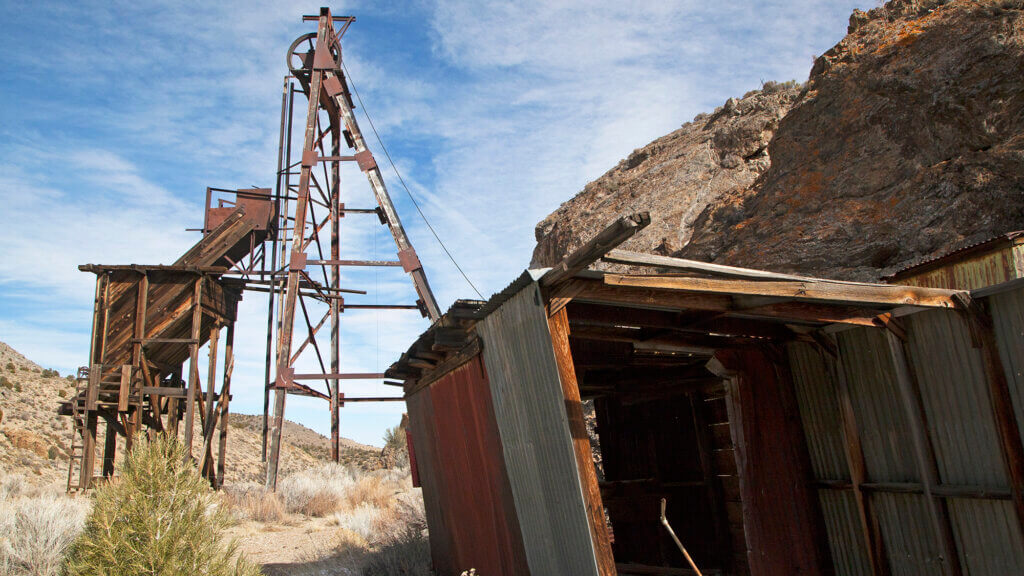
{"points": [[158, 518], [36, 528]]}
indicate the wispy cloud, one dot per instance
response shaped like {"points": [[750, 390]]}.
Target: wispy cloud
{"points": [[122, 113]]}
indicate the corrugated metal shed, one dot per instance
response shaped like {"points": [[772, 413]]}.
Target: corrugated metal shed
{"points": [[993, 261], [530, 413], [891, 400]]}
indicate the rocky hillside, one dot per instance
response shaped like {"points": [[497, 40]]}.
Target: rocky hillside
{"points": [[907, 141], [34, 440]]}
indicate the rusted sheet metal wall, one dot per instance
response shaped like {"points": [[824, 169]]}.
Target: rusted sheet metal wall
{"points": [[470, 511], [819, 411], [995, 266], [421, 424], [1007, 311], [535, 439]]}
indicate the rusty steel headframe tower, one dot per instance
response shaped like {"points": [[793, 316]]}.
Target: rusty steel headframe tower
{"points": [[305, 269]]}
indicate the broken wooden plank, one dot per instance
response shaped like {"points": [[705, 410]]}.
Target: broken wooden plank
{"points": [[618, 232]]}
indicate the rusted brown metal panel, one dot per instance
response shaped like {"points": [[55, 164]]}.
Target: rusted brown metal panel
{"points": [[472, 515], [986, 263], [535, 437]]}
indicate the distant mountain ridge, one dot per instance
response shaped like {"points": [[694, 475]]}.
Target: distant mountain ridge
{"points": [[34, 439]]}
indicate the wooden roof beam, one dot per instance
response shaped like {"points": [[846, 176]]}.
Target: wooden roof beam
{"points": [[598, 292], [810, 289]]}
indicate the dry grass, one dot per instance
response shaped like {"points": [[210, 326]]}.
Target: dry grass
{"points": [[36, 528], [378, 517], [253, 501]]}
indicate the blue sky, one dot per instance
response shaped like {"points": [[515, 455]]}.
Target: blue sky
{"points": [[117, 115]]}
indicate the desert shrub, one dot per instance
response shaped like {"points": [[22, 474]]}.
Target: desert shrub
{"points": [[159, 517], [5, 383], [10, 366], [363, 520], [396, 449], [17, 386], [70, 377], [254, 502], [408, 555], [35, 531], [317, 491], [48, 373], [52, 452], [62, 393]]}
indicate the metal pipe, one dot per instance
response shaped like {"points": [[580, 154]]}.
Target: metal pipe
{"points": [[664, 522]]}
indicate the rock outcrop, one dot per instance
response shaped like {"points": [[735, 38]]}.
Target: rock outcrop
{"points": [[906, 142]]}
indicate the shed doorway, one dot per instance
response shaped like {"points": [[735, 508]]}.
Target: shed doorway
{"points": [[658, 421]]}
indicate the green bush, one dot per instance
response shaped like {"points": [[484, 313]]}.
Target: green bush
{"points": [[10, 366], [62, 393], [158, 518], [48, 373], [5, 383], [52, 453]]}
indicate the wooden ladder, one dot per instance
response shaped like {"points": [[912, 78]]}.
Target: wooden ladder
{"points": [[78, 419]]}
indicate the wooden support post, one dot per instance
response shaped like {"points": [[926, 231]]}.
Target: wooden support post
{"points": [[125, 388], [225, 396], [983, 334], [88, 449], [173, 406], [924, 454], [558, 324], [209, 422], [193, 365], [109, 449], [858, 469], [139, 334]]}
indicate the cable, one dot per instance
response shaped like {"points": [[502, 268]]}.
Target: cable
{"points": [[402, 180]]}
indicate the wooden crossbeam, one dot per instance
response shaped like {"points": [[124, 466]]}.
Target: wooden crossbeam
{"points": [[810, 289]]}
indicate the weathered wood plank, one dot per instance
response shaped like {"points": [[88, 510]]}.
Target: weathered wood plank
{"points": [[615, 234], [811, 289], [559, 327]]}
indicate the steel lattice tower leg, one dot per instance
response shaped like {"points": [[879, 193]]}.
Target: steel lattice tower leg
{"points": [[330, 120]]}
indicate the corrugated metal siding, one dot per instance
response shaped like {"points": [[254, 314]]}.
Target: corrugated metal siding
{"points": [[884, 432], [971, 273], [822, 423], [421, 425], [845, 538], [988, 536], [1008, 313], [954, 392], [466, 491], [534, 430], [473, 485], [909, 539], [819, 410]]}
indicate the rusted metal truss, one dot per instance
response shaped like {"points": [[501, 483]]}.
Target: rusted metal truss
{"points": [[150, 321], [303, 276]]}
